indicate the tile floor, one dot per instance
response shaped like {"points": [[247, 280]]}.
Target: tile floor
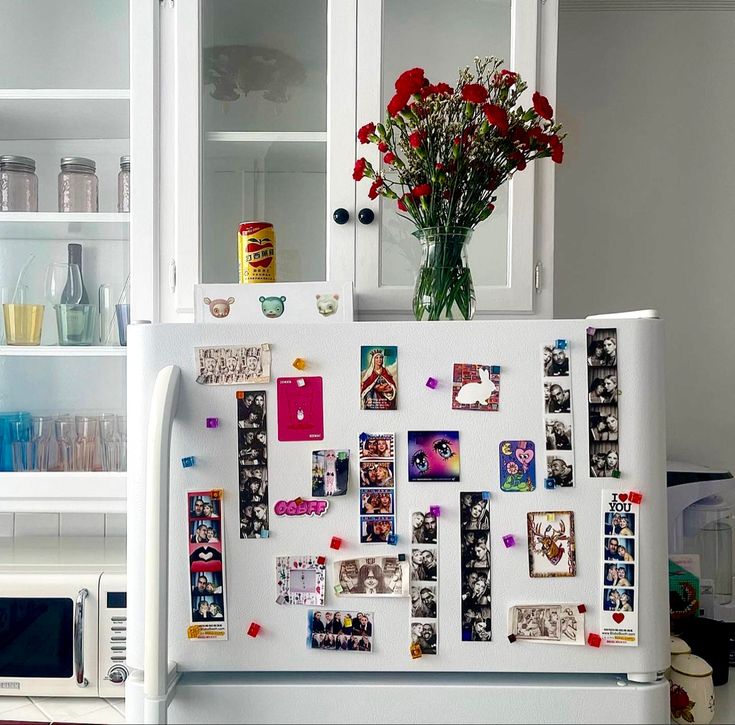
{"points": [[62, 709]]}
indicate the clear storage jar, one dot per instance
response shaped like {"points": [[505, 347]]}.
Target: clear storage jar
{"points": [[123, 185], [18, 184], [78, 185]]}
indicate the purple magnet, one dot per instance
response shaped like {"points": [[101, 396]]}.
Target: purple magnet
{"points": [[509, 541], [591, 330], [435, 511], [212, 422], [432, 383], [188, 461]]}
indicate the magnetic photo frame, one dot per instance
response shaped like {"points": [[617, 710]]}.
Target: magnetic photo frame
{"points": [[547, 623], [300, 580], [551, 544], [374, 576]]}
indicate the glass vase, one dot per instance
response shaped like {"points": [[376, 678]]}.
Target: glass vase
{"points": [[444, 289]]}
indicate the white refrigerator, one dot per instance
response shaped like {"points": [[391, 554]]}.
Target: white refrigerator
{"points": [[276, 676]]}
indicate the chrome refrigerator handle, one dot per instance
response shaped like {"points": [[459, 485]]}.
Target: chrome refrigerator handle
{"points": [[158, 455], [81, 680]]}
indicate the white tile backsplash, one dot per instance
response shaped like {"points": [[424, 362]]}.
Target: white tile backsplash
{"points": [[36, 524], [81, 525]]}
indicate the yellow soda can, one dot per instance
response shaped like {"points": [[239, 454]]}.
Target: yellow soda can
{"points": [[256, 252]]}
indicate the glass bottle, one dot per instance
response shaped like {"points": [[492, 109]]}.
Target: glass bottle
{"points": [[67, 298], [18, 184], [123, 185], [78, 185]]}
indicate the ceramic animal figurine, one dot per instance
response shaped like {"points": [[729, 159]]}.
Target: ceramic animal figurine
{"points": [[327, 304], [471, 393], [272, 307], [220, 307]]}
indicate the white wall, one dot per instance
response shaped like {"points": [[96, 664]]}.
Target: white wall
{"points": [[645, 199]]}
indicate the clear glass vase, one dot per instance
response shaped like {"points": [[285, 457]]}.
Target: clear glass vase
{"points": [[444, 289]]}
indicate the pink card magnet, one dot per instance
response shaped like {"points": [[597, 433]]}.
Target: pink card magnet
{"points": [[300, 409]]}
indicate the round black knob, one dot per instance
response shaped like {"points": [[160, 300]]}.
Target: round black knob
{"points": [[366, 216], [341, 216]]}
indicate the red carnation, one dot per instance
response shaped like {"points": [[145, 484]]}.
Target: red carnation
{"points": [[474, 93], [359, 171], [536, 133], [440, 89], [518, 159], [421, 190], [417, 138], [497, 116], [491, 208], [398, 102], [373, 192], [444, 88], [542, 106], [367, 130], [402, 203], [505, 78], [520, 136], [411, 81], [389, 158], [557, 149], [382, 147]]}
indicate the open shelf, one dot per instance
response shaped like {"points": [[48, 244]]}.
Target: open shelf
{"points": [[61, 492], [267, 136], [63, 226], [62, 351]]}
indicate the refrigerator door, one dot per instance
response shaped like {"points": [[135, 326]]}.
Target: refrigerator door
{"points": [[424, 350]]}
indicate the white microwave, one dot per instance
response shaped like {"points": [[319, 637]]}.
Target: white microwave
{"points": [[63, 627]]}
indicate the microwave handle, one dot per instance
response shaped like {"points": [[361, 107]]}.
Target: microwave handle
{"points": [[82, 681]]}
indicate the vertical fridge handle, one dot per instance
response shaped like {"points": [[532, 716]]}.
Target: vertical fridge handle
{"points": [[79, 625], [158, 454]]}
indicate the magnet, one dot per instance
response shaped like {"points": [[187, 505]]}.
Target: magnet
{"points": [[435, 511], [298, 501], [432, 383], [509, 541], [415, 650], [401, 557], [335, 543], [616, 473], [495, 369], [253, 629], [486, 495], [393, 539], [581, 608], [321, 560], [635, 497], [338, 589], [550, 516], [299, 363], [300, 382], [561, 344], [347, 621], [511, 638], [212, 422], [591, 330], [264, 533], [549, 483], [280, 599], [594, 640], [188, 461]]}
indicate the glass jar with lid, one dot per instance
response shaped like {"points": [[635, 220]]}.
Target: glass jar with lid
{"points": [[18, 184], [123, 185], [78, 185]]}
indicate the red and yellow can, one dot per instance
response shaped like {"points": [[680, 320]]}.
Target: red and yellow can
{"points": [[256, 252]]}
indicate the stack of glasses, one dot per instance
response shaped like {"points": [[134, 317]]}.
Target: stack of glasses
{"points": [[63, 442]]}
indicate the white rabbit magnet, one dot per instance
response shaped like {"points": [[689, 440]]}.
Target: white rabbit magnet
{"points": [[475, 387]]}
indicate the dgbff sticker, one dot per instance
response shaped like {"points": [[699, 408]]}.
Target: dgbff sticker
{"points": [[620, 572]]}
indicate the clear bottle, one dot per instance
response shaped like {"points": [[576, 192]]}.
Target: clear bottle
{"points": [[123, 185], [18, 184], [78, 185]]}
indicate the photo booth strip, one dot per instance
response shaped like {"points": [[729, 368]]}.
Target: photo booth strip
{"points": [[620, 569], [252, 461], [547, 623], [377, 476], [603, 393], [424, 576], [558, 464], [206, 536], [235, 365], [340, 631], [474, 508]]}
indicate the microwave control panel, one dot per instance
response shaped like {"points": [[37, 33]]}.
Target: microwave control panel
{"points": [[113, 626]]}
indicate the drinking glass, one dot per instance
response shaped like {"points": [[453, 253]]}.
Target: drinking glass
{"points": [[41, 427], [122, 312], [23, 324], [122, 431], [85, 447], [63, 283], [65, 440], [10, 295], [110, 443], [22, 446]]}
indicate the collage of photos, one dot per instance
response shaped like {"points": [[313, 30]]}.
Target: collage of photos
{"points": [[620, 521], [549, 623], [433, 455], [602, 380], [330, 472], [376, 576], [206, 565], [300, 580], [559, 444], [475, 387], [551, 544], [235, 365], [424, 575], [377, 488], [378, 377], [475, 562], [252, 461], [346, 631]]}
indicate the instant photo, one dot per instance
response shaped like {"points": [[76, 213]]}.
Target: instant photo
{"points": [[379, 377], [377, 497], [377, 445], [551, 544], [377, 473], [557, 397], [433, 455], [252, 438], [372, 577], [340, 630], [556, 360], [475, 387], [558, 432], [603, 414], [238, 365], [329, 472]]}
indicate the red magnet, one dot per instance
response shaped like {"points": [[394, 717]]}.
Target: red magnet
{"points": [[253, 629], [581, 608], [594, 640], [335, 543], [635, 497], [321, 560]]}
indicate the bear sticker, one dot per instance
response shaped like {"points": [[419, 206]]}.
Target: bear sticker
{"points": [[219, 308], [327, 304], [272, 307]]}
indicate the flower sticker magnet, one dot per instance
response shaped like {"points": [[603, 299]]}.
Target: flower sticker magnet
{"points": [[379, 377], [433, 455], [517, 466]]}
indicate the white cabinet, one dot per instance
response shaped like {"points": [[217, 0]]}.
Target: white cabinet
{"points": [[260, 102]]}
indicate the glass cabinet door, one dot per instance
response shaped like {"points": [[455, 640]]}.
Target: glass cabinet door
{"points": [[442, 37]]}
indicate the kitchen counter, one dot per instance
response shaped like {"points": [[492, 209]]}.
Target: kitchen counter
{"points": [[62, 709]]}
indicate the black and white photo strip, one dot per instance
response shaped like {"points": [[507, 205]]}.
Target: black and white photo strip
{"points": [[557, 382], [339, 630], [377, 488], [252, 460], [475, 563], [233, 365], [602, 385], [424, 577]]}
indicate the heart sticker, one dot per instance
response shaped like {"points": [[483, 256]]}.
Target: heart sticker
{"points": [[623, 497], [618, 617], [525, 456], [255, 247]]}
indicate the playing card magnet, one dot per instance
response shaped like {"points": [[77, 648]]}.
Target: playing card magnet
{"points": [[517, 466], [379, 377], [300, 409]]}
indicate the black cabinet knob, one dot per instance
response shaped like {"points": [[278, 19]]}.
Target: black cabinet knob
{"points": [[366, 216], [341, 216]]}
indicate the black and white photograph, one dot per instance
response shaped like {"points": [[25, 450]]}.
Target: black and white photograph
{"points": [[560, 469], [604, 459], [253, 411], [619, 574], [619, 524], [424, 564], [551, 623], [557, 397], [372, 577], [603, 422], [555, 362], [425, 634], [423, 528], [340, 630], [475, 552], [476, 623], [603, 385], [618, 600], [235, 365], [476, 588], [558, 433], [252, 463], [253, 447], [423, 600], [602, 349], [474, 512]]}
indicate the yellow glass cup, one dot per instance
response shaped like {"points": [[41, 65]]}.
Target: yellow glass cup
{"points": [[23, 324]]}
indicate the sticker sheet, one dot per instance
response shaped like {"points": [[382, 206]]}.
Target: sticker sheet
{"points": [[330, 472], [475, 559], [517, 466], [300, 580], [548, 623], [424, 574], [300, 409], [620, 574], [602, 379], [558, 441], [551, 544], [379, 377], [206, 565], [340, 630], [235, 365], [377, 576], [475, 387], [433, 455], [252, 460], [377, 487]]}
